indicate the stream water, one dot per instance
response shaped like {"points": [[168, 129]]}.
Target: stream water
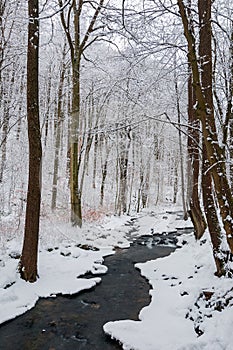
{"points": [[76, 322]]}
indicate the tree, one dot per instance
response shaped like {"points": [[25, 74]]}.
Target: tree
{"points": [[213, 153], [77, 46], [124, 142], [206, 74], [180, 143], [194, 153], [58, 130], [28, 260]]}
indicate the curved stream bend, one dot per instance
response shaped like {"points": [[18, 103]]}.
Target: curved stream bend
{"points": [[75, 323]]}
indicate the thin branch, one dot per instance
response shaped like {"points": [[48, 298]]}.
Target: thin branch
{"points": [[66, 29], [56, 12], [91, 26]]}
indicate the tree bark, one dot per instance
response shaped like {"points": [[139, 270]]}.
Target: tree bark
{"points": [[205, 53], [28, 261], [195, 211], [215, 154], [125, 142]]}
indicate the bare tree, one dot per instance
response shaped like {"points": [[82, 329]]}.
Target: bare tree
{"points": [[58, 130], [214, 154], [194, 154], [77, 46], [28, 260]]}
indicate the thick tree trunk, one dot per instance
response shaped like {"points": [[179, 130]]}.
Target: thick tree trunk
{"points": [[75, 195], [28, 261], [205, 53], [195, 211], [215, 153], [212, 221]]}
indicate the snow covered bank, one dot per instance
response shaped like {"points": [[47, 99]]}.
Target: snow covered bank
{"points": [[65, 254], [59, 271], [190, 308]]}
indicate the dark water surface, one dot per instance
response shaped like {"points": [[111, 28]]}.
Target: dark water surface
{"points": [[76, 322]]}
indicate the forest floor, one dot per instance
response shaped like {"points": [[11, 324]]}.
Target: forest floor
{"points": [[190, 308]]}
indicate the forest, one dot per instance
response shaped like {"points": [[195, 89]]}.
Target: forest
{"points": [[124, 111], [109, 108]]}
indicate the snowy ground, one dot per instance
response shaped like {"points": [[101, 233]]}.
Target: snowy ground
{"points": [[190, 308]]}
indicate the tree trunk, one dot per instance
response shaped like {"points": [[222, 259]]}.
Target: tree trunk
{"points": [[20, 116], [77, 47], [205, 53], [58, 135], [181, 150], [132, 174], [104, 168], [214, 153], [175, 185], [145, 187], [95, 161], [195, 211], [28, 261], [125, 141], [47, 113], [75, 195]]}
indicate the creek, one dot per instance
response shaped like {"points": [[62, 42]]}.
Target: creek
{"points": [[76, 322]]}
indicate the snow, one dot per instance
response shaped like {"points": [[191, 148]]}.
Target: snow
{"points": [[65, 254], [190, 308], [177, 282], [58, 271]]}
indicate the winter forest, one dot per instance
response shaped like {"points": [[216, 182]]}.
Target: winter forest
{"points": [[109, 108]]}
